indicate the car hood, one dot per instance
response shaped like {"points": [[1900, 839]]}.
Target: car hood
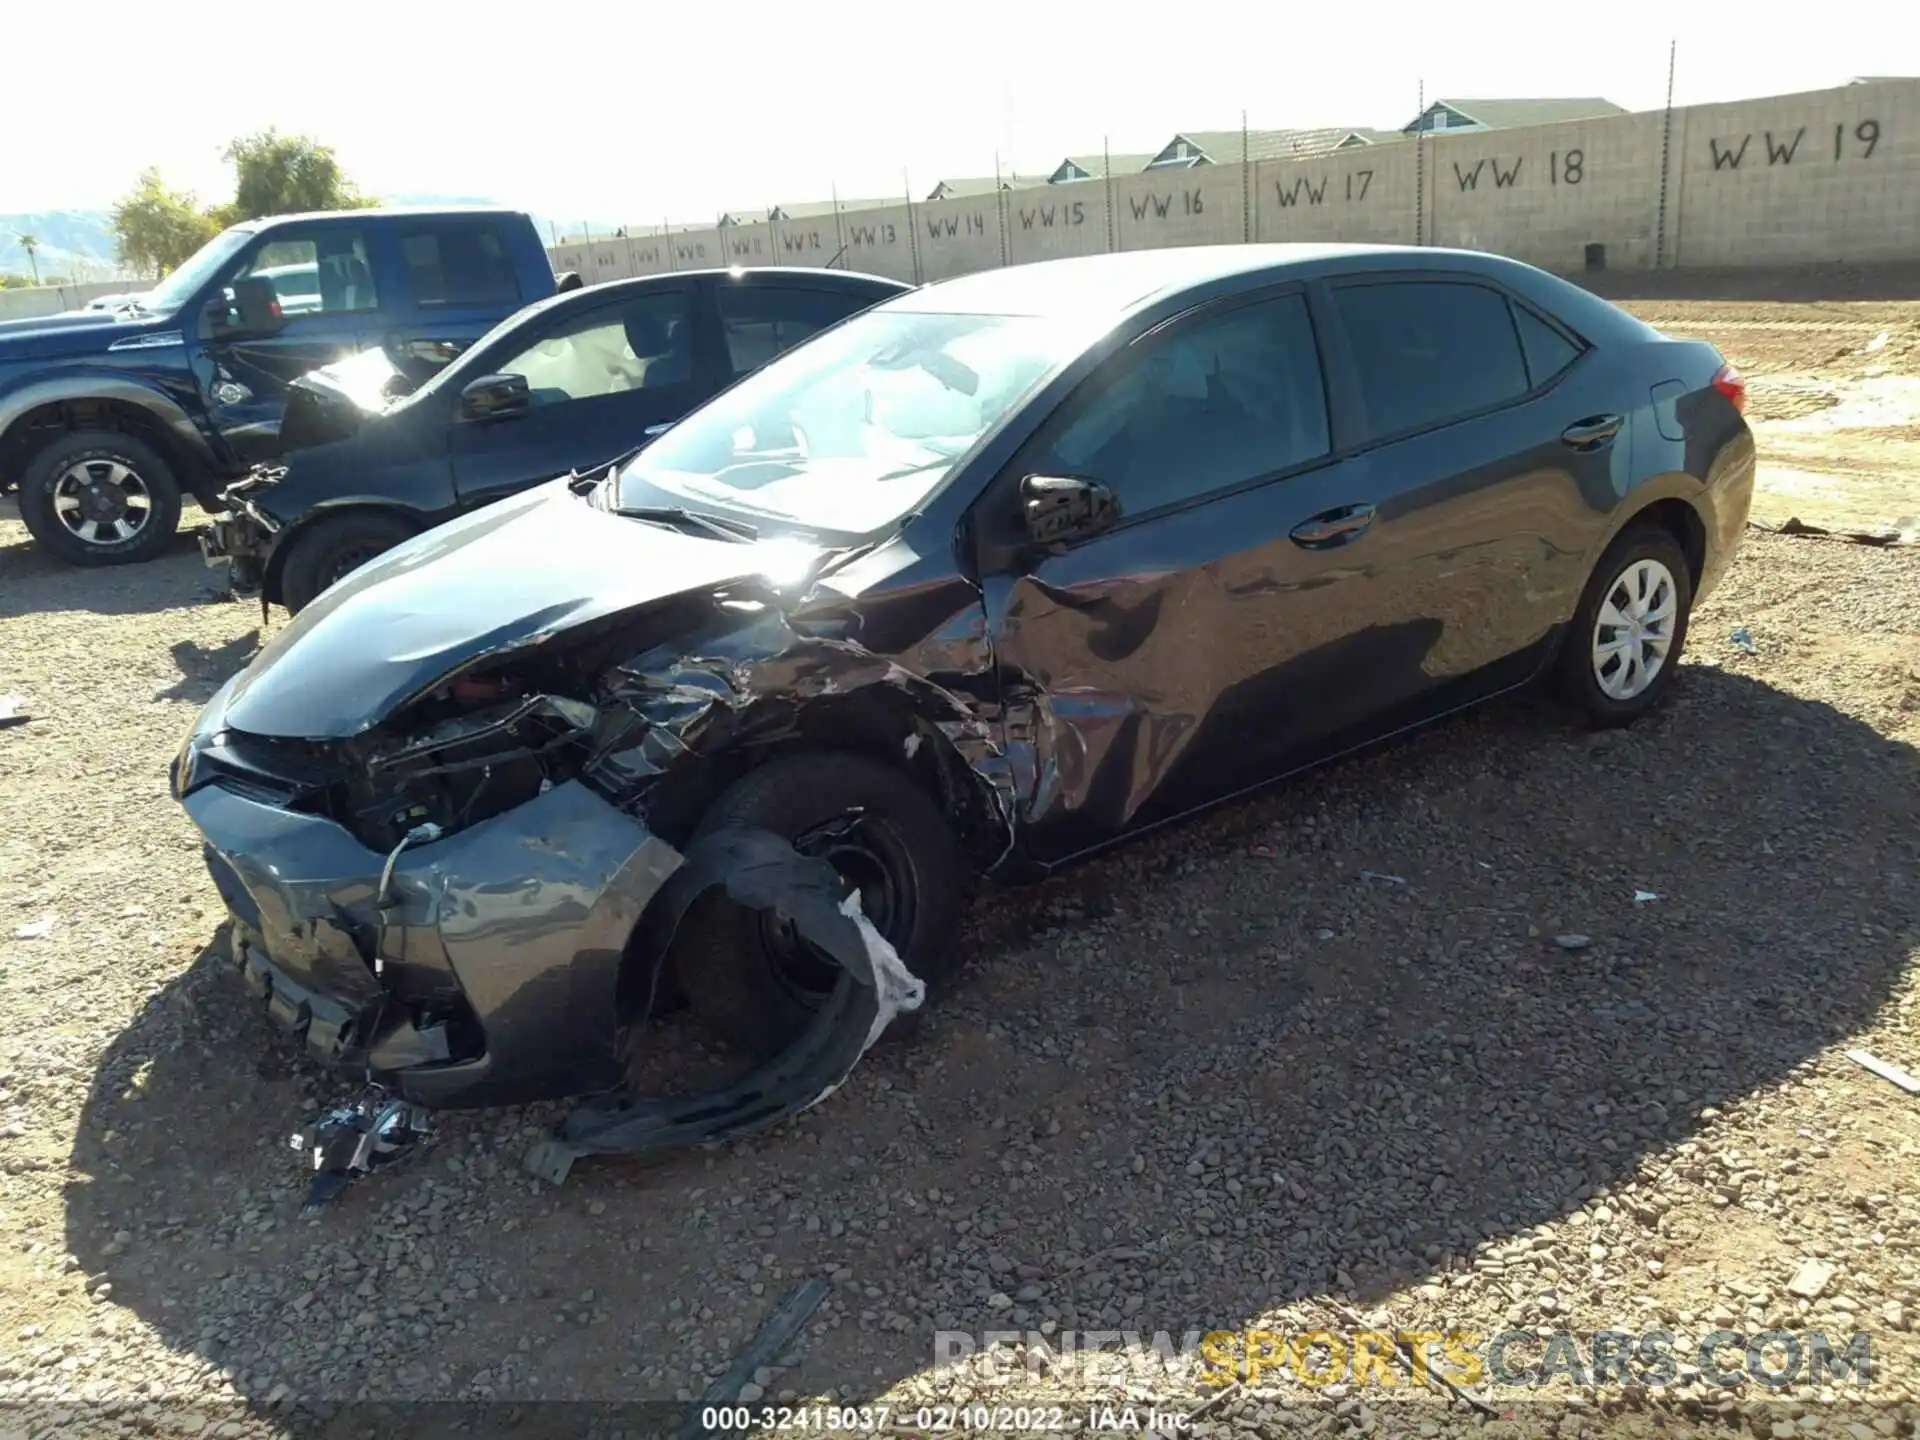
{"points": [[504, 578], [77, 332]]}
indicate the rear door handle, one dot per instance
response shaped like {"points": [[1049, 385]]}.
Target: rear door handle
{"points": [[1332, 527], [1593, 433]]}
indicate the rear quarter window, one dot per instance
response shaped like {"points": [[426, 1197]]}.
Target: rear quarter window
{"points": [[1548, 352]]}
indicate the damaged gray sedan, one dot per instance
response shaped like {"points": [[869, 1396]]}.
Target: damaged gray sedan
{"points": [[976, 583]]}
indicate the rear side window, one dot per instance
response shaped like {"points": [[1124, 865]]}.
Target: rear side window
{"points": [[761, 320], [1548, 351], [1213, 403], [1429, 352], [449, 265]]}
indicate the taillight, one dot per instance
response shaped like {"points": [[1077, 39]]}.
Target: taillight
{"points": [[1728, 382]]}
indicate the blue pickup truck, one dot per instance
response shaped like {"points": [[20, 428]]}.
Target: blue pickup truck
{"points": [[108, 419]]}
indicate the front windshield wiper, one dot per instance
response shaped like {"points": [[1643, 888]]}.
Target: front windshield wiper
{"points": [[736, 530]]}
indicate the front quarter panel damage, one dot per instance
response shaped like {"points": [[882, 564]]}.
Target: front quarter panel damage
{"points": [[759, 678]]}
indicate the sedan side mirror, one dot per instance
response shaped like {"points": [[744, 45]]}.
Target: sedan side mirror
{"points": [[494, 397], [1060, 508]]}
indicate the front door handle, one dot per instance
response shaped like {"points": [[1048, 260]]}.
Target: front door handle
{"points": [[1333, 527], [1593, 433]]}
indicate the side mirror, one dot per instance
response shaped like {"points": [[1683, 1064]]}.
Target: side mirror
{"points": [[494, 397], [248, 307], [1059, 508]]}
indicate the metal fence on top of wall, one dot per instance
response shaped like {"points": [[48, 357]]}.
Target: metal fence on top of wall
{"points": [[1822, 176]]}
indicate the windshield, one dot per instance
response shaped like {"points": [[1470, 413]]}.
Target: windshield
{"points": [[852, 430], [200, 267]]}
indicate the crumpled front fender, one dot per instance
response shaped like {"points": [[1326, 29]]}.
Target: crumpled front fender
{"points": [[763, 872]]}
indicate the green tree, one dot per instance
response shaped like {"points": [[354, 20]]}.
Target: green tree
{"points": [[277, 174], [157, 227], [31, 244]]}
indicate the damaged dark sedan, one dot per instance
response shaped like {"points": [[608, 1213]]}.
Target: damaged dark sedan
{"points": [[994, 575]]}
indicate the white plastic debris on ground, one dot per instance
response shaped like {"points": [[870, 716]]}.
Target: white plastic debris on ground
{"points": [[896, 989]]}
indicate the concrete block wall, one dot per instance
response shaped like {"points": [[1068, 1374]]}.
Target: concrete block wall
{"points": [[30, 302], [1831, 175], [1543, 194], [1364, 195]]}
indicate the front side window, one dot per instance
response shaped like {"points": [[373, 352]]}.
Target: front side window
{"points": [[1213, 403], [1430, 352], [850, 432], [459, 264], [760, 321], [645, 343], [323, 273]]}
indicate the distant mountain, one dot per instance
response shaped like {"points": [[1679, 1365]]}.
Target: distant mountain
{"points": [[78, 244]]}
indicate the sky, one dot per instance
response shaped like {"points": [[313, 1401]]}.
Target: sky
{"points": [[637, 113]]}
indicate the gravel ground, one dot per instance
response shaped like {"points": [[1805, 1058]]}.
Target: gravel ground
{"points": [[1394, 1046]]}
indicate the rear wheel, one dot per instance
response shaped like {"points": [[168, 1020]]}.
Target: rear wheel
{"points": [[100, 497], [1623, 649], [747, 974], [331, 549]]}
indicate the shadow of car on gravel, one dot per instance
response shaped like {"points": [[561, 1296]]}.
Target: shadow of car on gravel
{"points": [[37, 582], [1238, 1078], [205, 668]]}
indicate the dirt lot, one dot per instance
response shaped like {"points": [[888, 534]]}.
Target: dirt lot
{"points": [[1338, 1057]]}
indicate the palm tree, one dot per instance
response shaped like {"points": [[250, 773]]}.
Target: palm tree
{"points": [[31, 244]]}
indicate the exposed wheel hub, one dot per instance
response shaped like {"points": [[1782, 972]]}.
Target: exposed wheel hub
{"points": [[865, 853]]}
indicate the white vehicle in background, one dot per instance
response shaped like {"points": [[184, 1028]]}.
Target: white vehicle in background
{"points": [[113, 302]]}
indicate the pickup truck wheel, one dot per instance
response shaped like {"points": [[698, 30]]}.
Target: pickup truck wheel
{"points": [[100, 497], [331, 549]]}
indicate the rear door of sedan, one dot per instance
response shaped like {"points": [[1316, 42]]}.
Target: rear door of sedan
{"points": [[1491, 438]]}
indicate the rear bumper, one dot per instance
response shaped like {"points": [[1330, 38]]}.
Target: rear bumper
{"points": [[489, 977], [1729, 496]]}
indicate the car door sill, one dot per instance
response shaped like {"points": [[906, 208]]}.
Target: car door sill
{"points": [[1548, 647]]}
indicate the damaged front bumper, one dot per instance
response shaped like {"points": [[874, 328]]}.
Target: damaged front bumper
{"points": [[242, 536], [487, 967]]}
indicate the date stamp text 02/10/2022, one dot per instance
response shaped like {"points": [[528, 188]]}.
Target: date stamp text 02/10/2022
{"points": [[942, 1419]]}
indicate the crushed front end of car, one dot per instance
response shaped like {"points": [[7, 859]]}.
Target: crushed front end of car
{"points": [[241, 536], [326, 405], [431, 809]]}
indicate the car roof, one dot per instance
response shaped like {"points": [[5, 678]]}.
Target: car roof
{"points": [[385, 212], [781, 272], [611, 289], [1119, 282]]}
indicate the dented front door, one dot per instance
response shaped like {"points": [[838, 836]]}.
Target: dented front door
{"points": [[1243, 614]]}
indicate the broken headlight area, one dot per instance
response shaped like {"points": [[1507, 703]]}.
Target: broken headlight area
{"points": [[445, 774]]}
